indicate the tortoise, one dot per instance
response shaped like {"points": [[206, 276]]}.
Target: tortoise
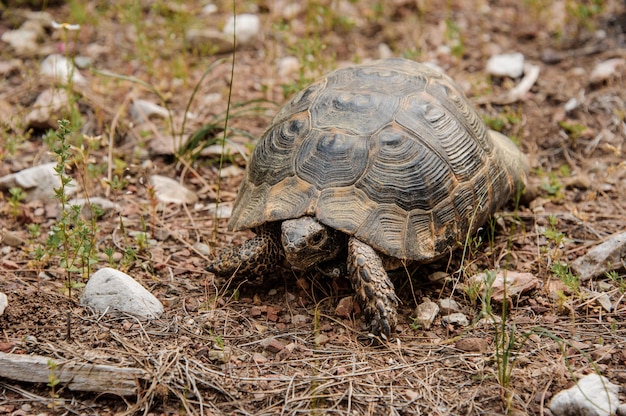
{"points": [[377, 165]]}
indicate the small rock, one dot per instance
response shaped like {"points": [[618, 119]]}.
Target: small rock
{"points": [[456, 319], [7, 238], [516, 283], [202, 248], [287, 66], [23, 41], [621, 410], [506, 65], [4, 302], [37, 182], [246, 27], [223, 210], [472, 344], [50, 106], [412, 395], [592, 395], [439, 277], [602, 258], [61, 69], [6, 346], [104, 206], [384, 51], [426, 313], [256, 311], [231, 171], [111, 290], [259, 358], [345, 307], [221, 355], [299, 319], [448, 306], [170, 191], [321, 339], [143, 110], [605, 70], [272, 345]]}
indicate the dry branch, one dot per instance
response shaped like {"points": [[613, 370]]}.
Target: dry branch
{"points": [[78, 376]]}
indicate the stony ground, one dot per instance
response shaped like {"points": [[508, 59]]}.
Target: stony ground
{"points": [[280, 346]]}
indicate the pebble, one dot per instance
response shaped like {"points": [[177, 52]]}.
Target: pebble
{"points": [[605, 70], [603, 258], [37, 182], [321, 339], [104, 206], [448, 306], [506, 65], [516, 283], [50, 106], [593, 395], [345, 307], [426, 313], [456, 319], [111, 290], [171, 191], [61, 69], [4, 302], [287, 66], [272, 345], [247, 27], [472, 344], [299, 319], [143, 110]]}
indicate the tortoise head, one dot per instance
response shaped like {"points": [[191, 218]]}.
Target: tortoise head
{"points": [[307, 242]]}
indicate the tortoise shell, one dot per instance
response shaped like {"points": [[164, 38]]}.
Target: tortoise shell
{"points": [[391, 152]]}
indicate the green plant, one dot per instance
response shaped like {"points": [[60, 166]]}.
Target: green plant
{"points": [[53, 380], [15, 201], [72, 238], [507, 340], [618, 279], [564, 273]]}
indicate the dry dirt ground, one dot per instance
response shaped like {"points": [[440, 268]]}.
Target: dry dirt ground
{"points": [[279, 347]]}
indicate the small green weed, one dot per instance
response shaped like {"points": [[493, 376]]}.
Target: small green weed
{"points": [[618, 279], [72, 238], [15, 201], [564, 273]]}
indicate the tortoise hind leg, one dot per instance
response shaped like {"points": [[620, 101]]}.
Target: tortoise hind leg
{"points": [[372, 285], [256, 256]]}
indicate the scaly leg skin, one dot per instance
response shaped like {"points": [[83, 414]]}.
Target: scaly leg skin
{"points": [[372, 285], [257, 256]]}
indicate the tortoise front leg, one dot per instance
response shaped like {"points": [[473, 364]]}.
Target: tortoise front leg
{"points": [[373, 287], [257, 256]]}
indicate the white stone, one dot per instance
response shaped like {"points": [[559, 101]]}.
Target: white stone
{"points": [[606, 69], [287, 66], [23, 42], [51, 105], [61, 69], [602, 258], [37, 182], [142, 110], [456, 319], [448, 305], [109, 290], [246, 27], [506, 65], [4, 302], [592, 395], [169, 190], [426, 313]]}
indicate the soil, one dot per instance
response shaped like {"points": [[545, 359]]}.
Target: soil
{"points": [[280, 346]]}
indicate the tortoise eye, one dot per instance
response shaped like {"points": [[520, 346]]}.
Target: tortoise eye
{"points": [[317, 238]]}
